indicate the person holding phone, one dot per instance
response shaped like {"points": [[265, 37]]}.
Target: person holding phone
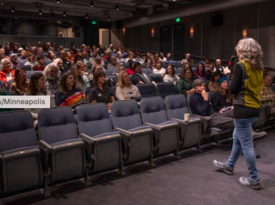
{"points": [[246, 86], [221, 99]]}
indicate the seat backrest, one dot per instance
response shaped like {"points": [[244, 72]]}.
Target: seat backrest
{"points": [[147, 90], [110, 72], [27, 67], [87, 91], [56, 124], [16, 130], [176, 106], [188, 102], [114, 78], [156, 77], [126, 114], [93, 119], [113, 89], [147, 70], [153, 110], [165, 89], [29, 73]]}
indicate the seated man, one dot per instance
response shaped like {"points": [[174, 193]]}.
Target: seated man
{"points": [[200, 105], [267, 94], [139, 76]]}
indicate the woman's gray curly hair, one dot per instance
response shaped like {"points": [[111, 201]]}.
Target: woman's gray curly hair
{"points": [[251, 51], [50, 66]]}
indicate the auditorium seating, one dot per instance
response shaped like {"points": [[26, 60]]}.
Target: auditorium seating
{"points": [[63, 150], [166, 132], [165, 89], [21, 162], [137, 139], [190, 131], [147, 90], [156, 77], [103, 145]]}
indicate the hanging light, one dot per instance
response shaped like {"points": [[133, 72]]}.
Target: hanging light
{"points": [[58, 1], [64, 13], [244, 33], [191, 32], [40, 12], [109, 18], [12, 9], [117, 7], [92, 4], [152, 31]]}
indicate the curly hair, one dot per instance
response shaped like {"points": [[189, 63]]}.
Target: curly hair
{"points": [[251, 51]]}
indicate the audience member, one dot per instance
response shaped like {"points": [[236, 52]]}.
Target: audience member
{"points": [[125, 90], [6, 72], [170, 75], [31, 61], [22, 59], [169, 57], [187, 59], [214, 83], [200, 71], [52, 78], [113, 63], [267, 94], [20, 85], [41, 64], [185, 85], [161, 57], [139, 76], [13, 59], [101, 92], [210, 72], [68, 94], [218, 66], [158, 68]]}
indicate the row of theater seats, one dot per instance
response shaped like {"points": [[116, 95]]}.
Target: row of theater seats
{"points": [[64, 150]]}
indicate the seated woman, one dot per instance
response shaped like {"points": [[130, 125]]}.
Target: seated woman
{"points": [[214, 82], [185, 85], [31, 61], [125, 90], [221, 99], [158, 68], [37, 87], [101, 92], [59, 63], [131, 69], [210, 71], [79, 78], [52, 78], [170, 76], [68, 94], [6, 72], [200, 71], [20, 84]]}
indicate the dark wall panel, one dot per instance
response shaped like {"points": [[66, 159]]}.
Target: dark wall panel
{"points": [[166, 39], [178, 41]]}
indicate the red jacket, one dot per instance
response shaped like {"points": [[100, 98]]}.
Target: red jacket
{"points": [[3, 76]]}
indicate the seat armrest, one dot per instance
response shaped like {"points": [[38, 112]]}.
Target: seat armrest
{"points": [[45, 145], [91, 140], [179, 121], [87, 138], [156, 127], [204, 120], [124, 132]]}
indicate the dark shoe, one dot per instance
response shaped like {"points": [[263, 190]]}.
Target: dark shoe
{"points": [[253, 184], [222, 166], [258, 156]]}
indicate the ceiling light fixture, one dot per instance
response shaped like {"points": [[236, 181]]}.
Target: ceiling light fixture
{"points": [[109, 18], [64, 13], [117, 7], [87, 16], [40, 12], [12, 9], [92, 4], [58, 1]]}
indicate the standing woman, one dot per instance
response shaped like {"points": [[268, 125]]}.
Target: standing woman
{"points": [[20, 84], [125, 90], [246, 87]]}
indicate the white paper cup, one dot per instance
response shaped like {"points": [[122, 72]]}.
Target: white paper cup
{"points": [[186, 117]]}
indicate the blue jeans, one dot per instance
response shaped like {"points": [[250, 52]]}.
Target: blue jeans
{"points": [[243, 140]]}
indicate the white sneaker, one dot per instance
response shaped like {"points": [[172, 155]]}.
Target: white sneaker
{"points": [[253, 184]]}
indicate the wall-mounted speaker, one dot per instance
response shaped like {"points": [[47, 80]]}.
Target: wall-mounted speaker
{"points": [[217, 20]]}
